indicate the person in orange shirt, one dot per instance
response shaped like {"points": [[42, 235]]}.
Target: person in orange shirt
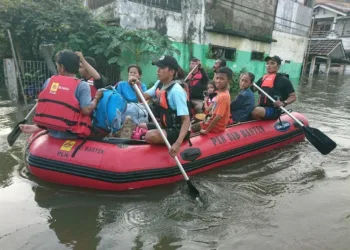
{"points": [[221, 107]]}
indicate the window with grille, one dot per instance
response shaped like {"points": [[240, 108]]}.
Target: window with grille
{"points": [[258, 56], [217, 52], [172, 5], [94, 4]]}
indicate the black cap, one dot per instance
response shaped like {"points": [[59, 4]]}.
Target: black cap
{"points": [[277, 59], [167, 61]]}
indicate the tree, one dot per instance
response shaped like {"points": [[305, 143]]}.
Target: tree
{"points": [[33, 22], [120, 45]]}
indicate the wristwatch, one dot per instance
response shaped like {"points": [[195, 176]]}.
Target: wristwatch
{"points": [[285, 103]]}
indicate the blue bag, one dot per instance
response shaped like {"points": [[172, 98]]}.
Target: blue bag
{"points": [[107, 115]]}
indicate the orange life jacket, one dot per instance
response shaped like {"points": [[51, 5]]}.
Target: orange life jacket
{"points": [[93, 89], [168, 117], [157, 110], [58, 108], [268, 83]]}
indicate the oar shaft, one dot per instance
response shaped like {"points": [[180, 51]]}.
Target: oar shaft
{"points": [[30, 112], [159, 129], [273, 100], [191, 72]]}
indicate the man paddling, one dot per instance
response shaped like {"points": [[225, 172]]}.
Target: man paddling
{"points": [[276, 85], [171, 106], [64, 106]]}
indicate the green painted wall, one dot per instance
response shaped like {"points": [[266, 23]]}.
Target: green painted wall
{"points": [[242, 60]]}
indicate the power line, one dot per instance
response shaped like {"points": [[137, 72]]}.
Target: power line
{"points": [[271, 21], [265, 13]]}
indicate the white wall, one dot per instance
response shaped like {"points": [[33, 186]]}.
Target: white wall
{"points": [[346, 43], [293, 17], [135, 16], [323, 13], [288, 46], [238, 43]]}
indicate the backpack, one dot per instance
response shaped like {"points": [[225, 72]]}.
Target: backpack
{"points": [[107, 115]]}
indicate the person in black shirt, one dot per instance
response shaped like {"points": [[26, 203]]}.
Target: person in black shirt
{"points": [[278, 87], [197, 83]]}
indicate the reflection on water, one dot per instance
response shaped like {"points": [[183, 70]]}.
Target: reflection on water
{"points": [[289, 198]]}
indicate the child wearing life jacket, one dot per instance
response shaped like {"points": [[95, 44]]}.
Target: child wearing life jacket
{"points": [[242, 106]]}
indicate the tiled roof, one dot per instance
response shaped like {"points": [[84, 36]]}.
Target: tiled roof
{"points": [[323, 47]]}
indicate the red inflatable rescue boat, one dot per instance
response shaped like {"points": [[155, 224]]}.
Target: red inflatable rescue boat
{"points": [[120, 164]]}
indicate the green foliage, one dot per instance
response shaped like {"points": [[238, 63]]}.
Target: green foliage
{"points": [[44, 21], [118, 45]]}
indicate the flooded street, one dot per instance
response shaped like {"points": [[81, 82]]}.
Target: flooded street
{"points": [[289, 198]]}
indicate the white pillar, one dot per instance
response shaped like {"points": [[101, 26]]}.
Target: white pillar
{"points": [[334, 23], [328, 66], [312, 66]]}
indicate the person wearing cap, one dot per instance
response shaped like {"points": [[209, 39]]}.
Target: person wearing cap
{"points": [[278, 87], [171, 106], [197, 83]]}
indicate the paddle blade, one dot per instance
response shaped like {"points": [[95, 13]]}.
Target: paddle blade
{"points": [[12, 137], [192, 189], [322, 142]]}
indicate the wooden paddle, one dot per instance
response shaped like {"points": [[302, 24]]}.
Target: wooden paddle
{"points": [[321, 142], [192, 189], [12, 137]]}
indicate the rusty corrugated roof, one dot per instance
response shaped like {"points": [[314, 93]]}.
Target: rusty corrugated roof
{"points": [[323, 47]]}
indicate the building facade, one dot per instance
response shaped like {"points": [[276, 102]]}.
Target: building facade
{"points": [[242, 32]]}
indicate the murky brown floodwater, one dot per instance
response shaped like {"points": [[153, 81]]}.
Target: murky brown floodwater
{"points": [[290, 198]]}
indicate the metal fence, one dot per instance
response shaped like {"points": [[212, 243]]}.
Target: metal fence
{"points": [[33, 75]]}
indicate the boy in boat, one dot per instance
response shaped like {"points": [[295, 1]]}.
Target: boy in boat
{"points": [[89, 74], [171, 106], [278, 87], [221, 106], [64, 106], [243, 105]]}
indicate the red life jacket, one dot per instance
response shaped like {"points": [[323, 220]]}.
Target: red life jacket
{"points": [[93, 89], [58, 108], [268, 83], [196, 88]]}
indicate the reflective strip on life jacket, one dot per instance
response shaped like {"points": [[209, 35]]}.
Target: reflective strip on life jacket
{"points": [[59, 109]]}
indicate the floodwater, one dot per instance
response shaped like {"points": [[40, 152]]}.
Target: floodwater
{"points": [[289, 198]]}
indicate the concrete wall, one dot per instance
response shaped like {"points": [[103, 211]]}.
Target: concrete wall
{"points": [[293, 17], [187, 29], [290, 48], [253, 17]]}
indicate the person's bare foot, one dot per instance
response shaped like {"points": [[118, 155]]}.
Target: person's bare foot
{"points": [[29, 129]]}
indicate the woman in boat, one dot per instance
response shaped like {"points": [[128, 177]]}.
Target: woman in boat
{"points": [[125, 89], [242, 106]]}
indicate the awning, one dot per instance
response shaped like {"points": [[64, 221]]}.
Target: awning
{"points": [[331, 48]]}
